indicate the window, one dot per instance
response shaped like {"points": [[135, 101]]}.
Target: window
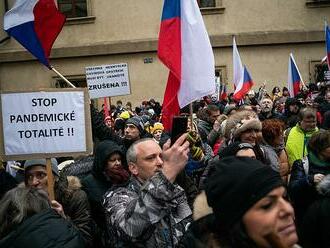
{"points": [[317, 3], [206, 3], [317, 70], [210, 7], [73, 8], [77, 81], [221, 72]]}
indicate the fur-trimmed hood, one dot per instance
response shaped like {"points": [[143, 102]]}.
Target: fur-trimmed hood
{"points": [[201, 208], [240, 122], [73, 183]]}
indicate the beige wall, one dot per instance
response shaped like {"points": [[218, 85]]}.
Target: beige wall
{"points": [[126, 31]]}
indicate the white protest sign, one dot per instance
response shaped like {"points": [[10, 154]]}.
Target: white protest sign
{"points": [[108, 80], [43, 122]]}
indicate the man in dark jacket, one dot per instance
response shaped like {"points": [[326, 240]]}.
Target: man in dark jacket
{"points": [[205, 125], [151, 211], [267, 112]]}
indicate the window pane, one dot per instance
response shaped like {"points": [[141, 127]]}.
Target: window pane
{"points": [[73, 8], [206, 3]]}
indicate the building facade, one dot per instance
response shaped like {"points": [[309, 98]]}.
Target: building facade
{"points": [[109, 32]]}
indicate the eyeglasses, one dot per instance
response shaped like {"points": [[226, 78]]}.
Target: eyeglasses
{"points": [[38, 175]]}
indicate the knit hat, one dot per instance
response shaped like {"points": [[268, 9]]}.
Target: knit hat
{"points": [[240, 122], [42, 162], [235, 185], [157, 126], [136, 121], [233, 148]]}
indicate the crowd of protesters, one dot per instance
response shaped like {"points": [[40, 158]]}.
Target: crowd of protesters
{"points": [[254, 173]]}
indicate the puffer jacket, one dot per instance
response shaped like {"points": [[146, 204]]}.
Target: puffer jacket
{"points": [[154, 214], [45, 229]]}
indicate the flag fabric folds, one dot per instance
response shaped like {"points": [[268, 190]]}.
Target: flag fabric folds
{"points": [[241, 77], [294, 78], [184, 47], [35, 24], [327, 41]]}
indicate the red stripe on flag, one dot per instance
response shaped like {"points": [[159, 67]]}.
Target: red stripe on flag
{"points": [[169, 45], [48, 23], [170, 105]]}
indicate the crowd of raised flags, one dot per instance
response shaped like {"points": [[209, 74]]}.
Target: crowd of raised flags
{"points": [[184, 48]]}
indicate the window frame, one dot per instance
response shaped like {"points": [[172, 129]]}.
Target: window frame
{"points": [[81, 20], [217, 9], [317, 3], [222, 69], [312, 69]]}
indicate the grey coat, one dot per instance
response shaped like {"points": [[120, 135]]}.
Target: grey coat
{"points": [[155, 214]]}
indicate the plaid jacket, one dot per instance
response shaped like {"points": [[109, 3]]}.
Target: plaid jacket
{"points": [[155, 214]]}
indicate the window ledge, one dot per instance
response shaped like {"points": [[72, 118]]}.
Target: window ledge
{"points": [[212, 10], [80, 20], [317, 4]]}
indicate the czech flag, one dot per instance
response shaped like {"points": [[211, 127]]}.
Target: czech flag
{"points": [[184, 47], [243, 86], [327, 41], [241, 77], [35, 24], [294, 78]]}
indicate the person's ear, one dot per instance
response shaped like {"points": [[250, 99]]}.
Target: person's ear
{"points": [[133, 168]]}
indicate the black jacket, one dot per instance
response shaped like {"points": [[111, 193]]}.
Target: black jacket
{"points": [[46, 229], [7, 182], [96, 184]]}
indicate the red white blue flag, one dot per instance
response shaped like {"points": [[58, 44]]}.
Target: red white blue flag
{"points": [[327, 41], [241, 77], [35, 24], [184, 47], [294, 77]]}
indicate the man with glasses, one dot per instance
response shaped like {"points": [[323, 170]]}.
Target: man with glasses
{"points": [[70, 201]]}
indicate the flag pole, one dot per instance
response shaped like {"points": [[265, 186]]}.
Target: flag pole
{"points": [[191, 117], [50, 179], [61, 76]]}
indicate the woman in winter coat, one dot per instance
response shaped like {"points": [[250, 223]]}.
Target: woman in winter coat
{"points": [[109, 169], [273, 135], [27, 220], [244, 207], [245, 127]]}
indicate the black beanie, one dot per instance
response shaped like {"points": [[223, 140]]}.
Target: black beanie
{"points": [[235, 185], [233, 148], [138, 122]]}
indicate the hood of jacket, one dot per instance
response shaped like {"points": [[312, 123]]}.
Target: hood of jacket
{"points": [[102, 153]]}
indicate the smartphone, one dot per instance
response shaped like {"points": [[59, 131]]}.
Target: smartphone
{"points": [[179, 127]]}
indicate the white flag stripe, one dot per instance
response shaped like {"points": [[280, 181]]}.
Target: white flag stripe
{"points": [[197, 62]]}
